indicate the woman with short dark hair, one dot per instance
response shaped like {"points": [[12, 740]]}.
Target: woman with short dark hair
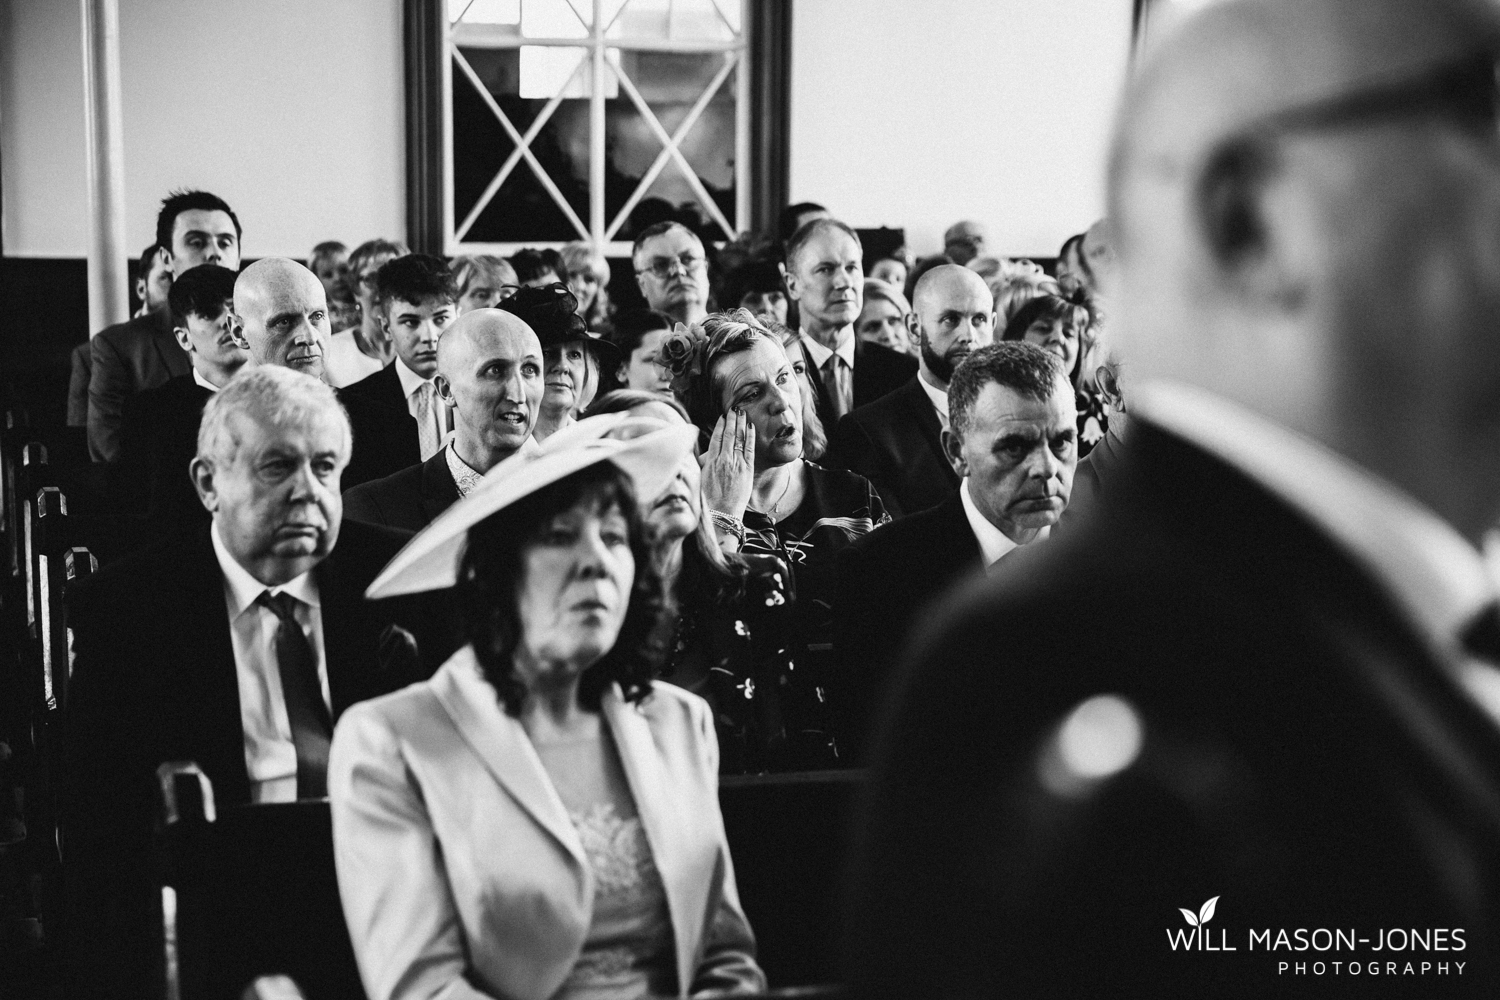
{"points": [[539, 820]]}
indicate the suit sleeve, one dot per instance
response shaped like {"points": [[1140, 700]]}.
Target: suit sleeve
{"points": [[361, 504], [397, 902], [109, 387], [78, 385], [727, 965]]}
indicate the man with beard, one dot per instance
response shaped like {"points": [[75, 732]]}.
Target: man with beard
{"points": [[895, 442], [1012, 439], [489, 374]]}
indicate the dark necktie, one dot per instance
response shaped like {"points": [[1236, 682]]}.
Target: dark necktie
{"points": [[311, 727], [1481, 636], [835, 377]]}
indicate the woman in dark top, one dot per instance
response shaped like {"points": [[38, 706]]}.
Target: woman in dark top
{"points": [[732, 643], [764, 498], [1066, 328]]}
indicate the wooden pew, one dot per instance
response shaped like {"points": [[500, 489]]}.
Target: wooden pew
{"points": [[251, 891]]}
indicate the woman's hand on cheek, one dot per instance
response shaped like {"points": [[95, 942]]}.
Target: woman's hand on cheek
{"points": [[729, 465]]}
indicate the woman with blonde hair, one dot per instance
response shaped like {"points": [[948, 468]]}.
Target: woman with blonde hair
{"points": [[883, 319], [735, 379], [586, 272]]}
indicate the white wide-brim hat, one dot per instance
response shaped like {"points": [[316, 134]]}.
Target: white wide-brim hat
{"points": [[650, 458]]}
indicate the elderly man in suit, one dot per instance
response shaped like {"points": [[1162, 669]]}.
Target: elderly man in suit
{"points": [[192, 228], [671, 271], [489, 373], [159, 438], [824, 274], [1013, 442], [236, 644], [1258, 686], [896, 441], [281, 318]]}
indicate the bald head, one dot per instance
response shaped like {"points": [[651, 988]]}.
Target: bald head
{"points": [[489, 370], [953, 313], [281, 315], [1283, 252]]}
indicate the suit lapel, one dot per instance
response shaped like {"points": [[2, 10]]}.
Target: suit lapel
{"points": [[500, 742], [342, 614], [964, 552], [670, 829], [209, 687], [926, 421], [439, 491]]}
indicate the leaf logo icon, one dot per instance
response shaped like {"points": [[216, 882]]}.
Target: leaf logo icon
{"points": [[1206, 913]]}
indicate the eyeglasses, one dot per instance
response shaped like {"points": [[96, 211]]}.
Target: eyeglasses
{"points": [[1467, 90], [665, 267]]}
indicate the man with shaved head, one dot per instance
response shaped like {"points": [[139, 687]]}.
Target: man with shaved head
{"points": [[281, 318], [1255, 690], [896, 441], [235, 644], [489, 373]]}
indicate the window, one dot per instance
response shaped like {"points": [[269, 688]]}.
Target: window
{"points": [[568, 120]]}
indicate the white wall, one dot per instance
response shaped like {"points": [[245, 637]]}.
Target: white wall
{"points": [[918, 113], [291, 110]]}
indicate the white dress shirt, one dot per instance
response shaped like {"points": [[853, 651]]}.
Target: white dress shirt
{"points": [[939, 399], [198, 377], [818, 355], [270, 756], [410, 382], [993, 543], [1436, 577]]}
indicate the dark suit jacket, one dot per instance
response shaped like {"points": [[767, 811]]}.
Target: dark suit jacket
{"points": [[81, 369], [128, 358], [385, 435], [154, 680], [1298, 739], [895, 443], [158, 441], [887, 580], [877, 371], [409, 499]]}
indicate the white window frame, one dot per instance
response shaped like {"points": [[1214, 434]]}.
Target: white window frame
{"points": [[597, 229]]}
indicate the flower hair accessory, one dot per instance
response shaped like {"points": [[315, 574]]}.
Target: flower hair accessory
{"points": [[682, 352]]}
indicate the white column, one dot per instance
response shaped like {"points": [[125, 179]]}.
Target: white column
{"points": [[109, 298]]}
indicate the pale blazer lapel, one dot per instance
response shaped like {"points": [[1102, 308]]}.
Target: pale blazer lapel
{"points": [[500, 742], [680, 843]]}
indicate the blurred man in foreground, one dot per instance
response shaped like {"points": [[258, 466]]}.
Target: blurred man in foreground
{"points": [[1256, 690]]}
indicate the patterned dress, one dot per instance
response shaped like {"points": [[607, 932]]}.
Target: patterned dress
{"points": [[837, 508]]}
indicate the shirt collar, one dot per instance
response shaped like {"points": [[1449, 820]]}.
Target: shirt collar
{"points": [[939, 398], [464, 476], [819, 354], [993, 543], [409, 379], [198, 377], [244, 589], [1435, 575]]}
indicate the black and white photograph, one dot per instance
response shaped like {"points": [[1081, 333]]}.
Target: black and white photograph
{"points": [[773, 499]]}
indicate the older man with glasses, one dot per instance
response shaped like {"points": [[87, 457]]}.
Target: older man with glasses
{"points": [[672, 271], [1259, 687]]}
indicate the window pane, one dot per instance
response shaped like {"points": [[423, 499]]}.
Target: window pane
{"points": [[522, 209], [671, 83], [677, 20], [556, 18], [485, 11]]}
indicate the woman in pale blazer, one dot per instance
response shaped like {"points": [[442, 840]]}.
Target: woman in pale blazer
{"points": [[538, 820]]}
